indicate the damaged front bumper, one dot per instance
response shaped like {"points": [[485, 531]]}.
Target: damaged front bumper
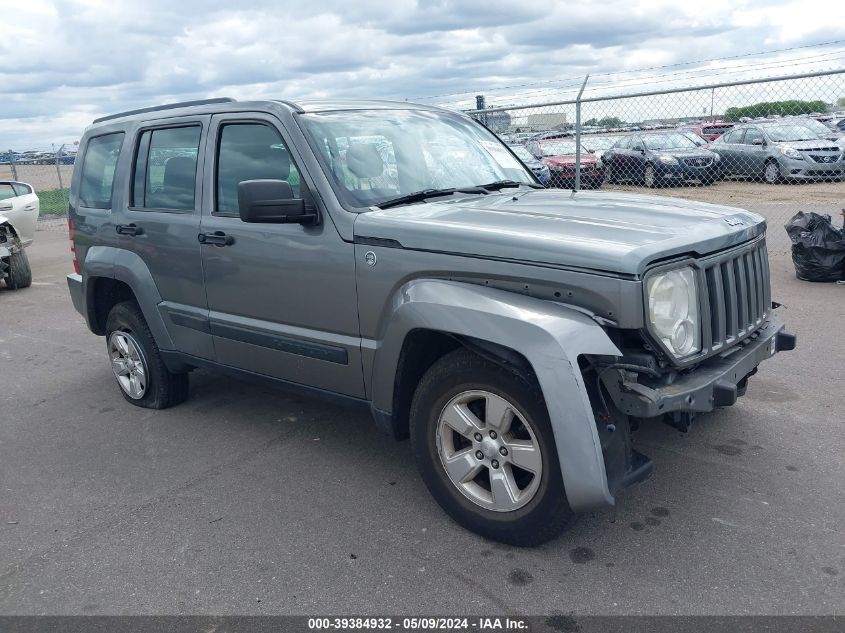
{"points": [[715, 382]]}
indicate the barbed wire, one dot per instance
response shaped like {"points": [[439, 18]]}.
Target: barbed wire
{"points": [[632, 70]]}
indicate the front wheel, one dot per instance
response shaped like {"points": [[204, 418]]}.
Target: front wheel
{"points": [[483, 443], [649, 176], [771, 173], [20, 272]]}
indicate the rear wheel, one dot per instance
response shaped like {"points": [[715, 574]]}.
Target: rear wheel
{"points": [[136, 362], [484, 446], [19, 273]]}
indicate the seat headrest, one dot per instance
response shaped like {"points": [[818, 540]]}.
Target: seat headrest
{"points": [[364, 161], [179, 172]]}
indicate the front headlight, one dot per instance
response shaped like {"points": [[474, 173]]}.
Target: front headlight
{"points": [[667, 160], [716, 157], [791, 152], [673, 310]]}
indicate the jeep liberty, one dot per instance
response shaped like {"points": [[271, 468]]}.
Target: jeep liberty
{"points": [[401, 257]]}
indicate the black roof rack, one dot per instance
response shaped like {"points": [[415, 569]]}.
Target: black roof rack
{"points": [[168, 106]]}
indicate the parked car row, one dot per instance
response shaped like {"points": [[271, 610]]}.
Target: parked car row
{"points": [[772, 150]]}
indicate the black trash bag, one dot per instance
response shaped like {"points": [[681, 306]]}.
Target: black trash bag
{"points": [[818, 247]]}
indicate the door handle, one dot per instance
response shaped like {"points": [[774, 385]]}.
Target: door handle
{"points": [[218, 238], [128, 229]]}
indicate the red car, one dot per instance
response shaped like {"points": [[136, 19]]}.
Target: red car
{"points": [[559, 155], [710, 131]]}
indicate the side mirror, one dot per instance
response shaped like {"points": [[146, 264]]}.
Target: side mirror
{"points": [[272, 202], [758, 141]]}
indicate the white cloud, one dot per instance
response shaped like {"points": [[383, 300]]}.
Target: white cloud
{"points": [[67, 61]]}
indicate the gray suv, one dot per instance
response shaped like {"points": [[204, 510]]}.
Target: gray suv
{"points": [[401, 258]]}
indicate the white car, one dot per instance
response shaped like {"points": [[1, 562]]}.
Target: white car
{"points": [[19, 208]]}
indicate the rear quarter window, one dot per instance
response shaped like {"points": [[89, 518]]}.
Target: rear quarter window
{"points": [[98, 166]]}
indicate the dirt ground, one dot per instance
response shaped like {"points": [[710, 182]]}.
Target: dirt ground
{"points": [[42, 177]]}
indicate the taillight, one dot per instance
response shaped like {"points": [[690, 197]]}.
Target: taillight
{"points": [[72, 245]]}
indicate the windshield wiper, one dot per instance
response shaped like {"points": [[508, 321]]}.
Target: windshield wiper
{"points": [[419, 196], [416, 196], [505, 184]]}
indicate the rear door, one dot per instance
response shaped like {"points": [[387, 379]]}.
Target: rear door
{"points": [[282, 297], [161, 221]]}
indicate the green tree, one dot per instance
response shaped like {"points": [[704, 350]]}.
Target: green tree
{"points": [[610, 121], [840, 102], [768, 108]]}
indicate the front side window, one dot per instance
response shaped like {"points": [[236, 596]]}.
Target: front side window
{"points": [[753, 135], [6, 191], [374, 156], [166, 169], [98, 168], [250, 151]]}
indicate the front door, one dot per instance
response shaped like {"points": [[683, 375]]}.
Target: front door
{"points": [[281, 297]]}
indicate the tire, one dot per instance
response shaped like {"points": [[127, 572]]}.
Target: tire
{"points": [[649, 176], [537, 509], [19, 273], [161, 387], [771, 172]]}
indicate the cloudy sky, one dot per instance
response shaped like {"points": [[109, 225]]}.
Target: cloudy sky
{"points": [[64, 62]]}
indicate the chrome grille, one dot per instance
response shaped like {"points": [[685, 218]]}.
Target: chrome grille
{"points": [[698, 162], [830, 158], [738, 296]]}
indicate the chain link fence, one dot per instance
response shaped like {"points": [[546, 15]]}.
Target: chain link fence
{"points": [[774, 146], [48, 172]]}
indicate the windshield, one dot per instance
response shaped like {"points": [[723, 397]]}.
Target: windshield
{"points": [[522, 153], [600, 142], [786, 133], [819, 128], [558, 148], [668, 141], [374, 156]]}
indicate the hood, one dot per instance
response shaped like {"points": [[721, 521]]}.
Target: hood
{"points": [[608, 231], [821, 144], [569, 159], [686, 152]]}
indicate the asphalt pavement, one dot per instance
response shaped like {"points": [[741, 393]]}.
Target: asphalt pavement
{"points": [[249, 500]]}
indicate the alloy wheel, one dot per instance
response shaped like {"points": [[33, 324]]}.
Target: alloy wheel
{"points": [[489, 451], [128, 364], [772, 172]]}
